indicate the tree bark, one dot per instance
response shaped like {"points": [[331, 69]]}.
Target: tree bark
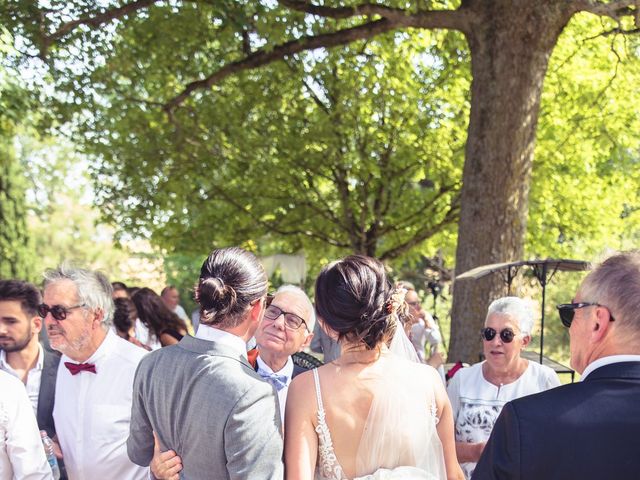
{"points": [[510, 43]]}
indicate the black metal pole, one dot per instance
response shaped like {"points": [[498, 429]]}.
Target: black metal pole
{"points": [[543, 282]]}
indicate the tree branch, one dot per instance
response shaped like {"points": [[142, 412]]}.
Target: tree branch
{"points": [[450, 217], [366, 9], [614, 9], [267, 56], [95, 21]]}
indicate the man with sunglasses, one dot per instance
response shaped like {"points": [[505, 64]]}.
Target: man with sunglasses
{"points": [[585, 430], [286, 328], [479, 392], [92, 408]]}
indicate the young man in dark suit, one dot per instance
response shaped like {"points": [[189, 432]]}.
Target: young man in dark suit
{"points": [[586, 430]]}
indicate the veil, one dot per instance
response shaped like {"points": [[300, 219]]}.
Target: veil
{"points": [[400, 439]]}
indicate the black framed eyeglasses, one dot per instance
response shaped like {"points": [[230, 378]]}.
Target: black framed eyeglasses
{"points": [[506, 335], [568, 310], [291, 320], [59, 312]]}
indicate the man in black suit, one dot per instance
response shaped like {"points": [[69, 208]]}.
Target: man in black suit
{"points": [[585, 430]]}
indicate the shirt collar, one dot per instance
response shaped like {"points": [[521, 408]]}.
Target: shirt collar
{"points": [[40, 362], [4, 365], [207, 332], [3, 361], [601, 362], [287, 370], [103, 350]]}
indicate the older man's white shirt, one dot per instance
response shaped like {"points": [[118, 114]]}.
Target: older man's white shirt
{"points": [[92, 413], [21, 452], [286, 371]]}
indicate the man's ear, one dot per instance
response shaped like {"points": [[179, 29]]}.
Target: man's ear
{"points": [[256, 310], [526, 339], [36, 324], [306, 342], [98, 316], [601, 323]]}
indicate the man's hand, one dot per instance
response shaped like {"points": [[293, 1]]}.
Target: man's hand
{"points": [[56, 447], [165, 465]]}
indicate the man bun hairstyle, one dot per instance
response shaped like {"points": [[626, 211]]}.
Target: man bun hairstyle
{"points": [[231, 279], [353, 297]]}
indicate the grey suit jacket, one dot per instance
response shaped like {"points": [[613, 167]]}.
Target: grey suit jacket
{"points": [[206, 402]]}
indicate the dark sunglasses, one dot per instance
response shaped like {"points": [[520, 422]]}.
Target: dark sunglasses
{"points": [[507, 335], [59, 312], [568, 310]]}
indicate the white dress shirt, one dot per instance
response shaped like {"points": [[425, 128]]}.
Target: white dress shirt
{"points": [[33, 376], [601, 362], [286, 371], [145, 337], [92, 413], [207, 332], [21, 452]]}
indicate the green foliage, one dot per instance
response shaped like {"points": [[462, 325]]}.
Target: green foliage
{"points": [[16, 252], [356, 150], [588, 154]]}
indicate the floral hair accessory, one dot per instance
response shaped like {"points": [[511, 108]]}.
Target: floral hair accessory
{"points": [[396, 301]]}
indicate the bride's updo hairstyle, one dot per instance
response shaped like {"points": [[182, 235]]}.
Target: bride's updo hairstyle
{"points": [[231, 279], [353, 297]]}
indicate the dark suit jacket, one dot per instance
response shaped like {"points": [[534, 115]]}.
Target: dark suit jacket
{"points": [[47, 391], [584, 431]]}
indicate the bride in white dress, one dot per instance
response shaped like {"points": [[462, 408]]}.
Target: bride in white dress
{"points": [[372, 413]]}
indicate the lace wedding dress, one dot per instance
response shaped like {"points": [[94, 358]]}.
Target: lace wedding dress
{"points": [[399, 441]]}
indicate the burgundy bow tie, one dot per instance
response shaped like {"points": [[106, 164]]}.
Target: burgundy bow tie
{"points": [[76, 368]]}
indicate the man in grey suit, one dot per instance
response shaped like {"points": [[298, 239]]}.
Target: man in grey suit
{"points": [[202, 397]]}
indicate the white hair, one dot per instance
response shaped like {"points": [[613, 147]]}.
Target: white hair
{"points": [[93, 288], [521, 310], [302, 294]]}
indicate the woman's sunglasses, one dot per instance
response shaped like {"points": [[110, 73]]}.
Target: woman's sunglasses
{"points": [[507, 335]]}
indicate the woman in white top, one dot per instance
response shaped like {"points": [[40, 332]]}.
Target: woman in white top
{"points": [[478, 393], [370, 413]]}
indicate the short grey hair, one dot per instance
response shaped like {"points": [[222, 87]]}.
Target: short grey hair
{"points": [[615, 284], [515, 307], [93, 288], [302, 294]]}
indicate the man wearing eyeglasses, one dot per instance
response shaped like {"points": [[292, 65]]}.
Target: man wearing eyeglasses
{"points": [[585, 430], [92, 408], [286, 328]]}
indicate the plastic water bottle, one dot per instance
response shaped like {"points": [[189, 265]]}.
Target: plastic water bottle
{"points": [[51, 456]]}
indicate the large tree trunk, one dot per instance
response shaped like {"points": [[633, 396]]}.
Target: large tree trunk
{"points": [[510, 42]]}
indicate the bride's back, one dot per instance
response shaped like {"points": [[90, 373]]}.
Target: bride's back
{"points": [[372, 410], [378, 407]]}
